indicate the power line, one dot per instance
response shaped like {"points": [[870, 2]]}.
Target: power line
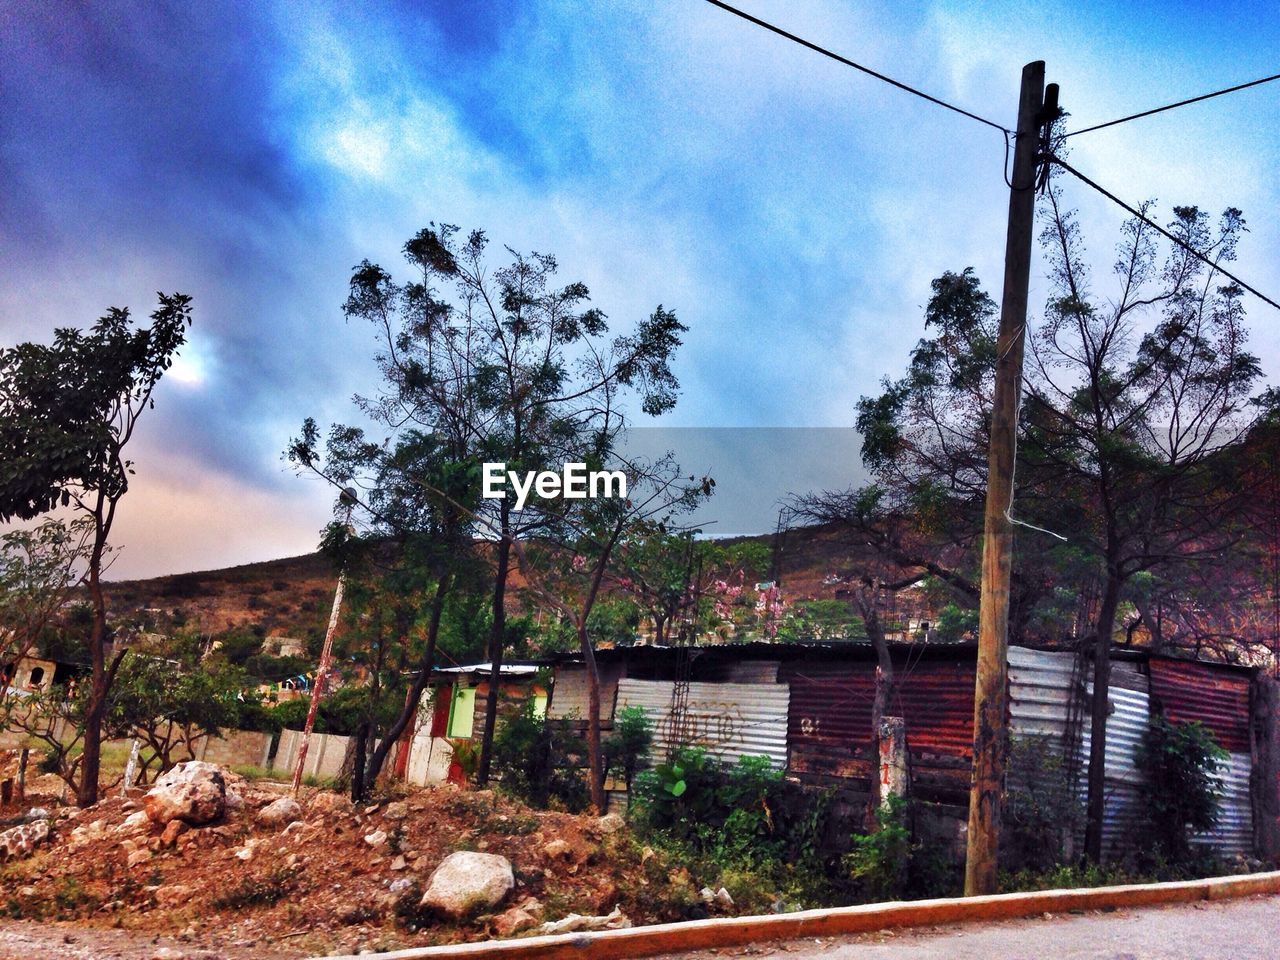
{"points": [[1151, 223], [857, 66], [1173, 106]]}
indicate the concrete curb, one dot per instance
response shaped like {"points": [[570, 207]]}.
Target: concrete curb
{"points": [[739, 931]]}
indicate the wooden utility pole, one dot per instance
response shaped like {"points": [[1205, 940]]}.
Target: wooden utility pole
{"points": [[348, 500], [990, 704]]}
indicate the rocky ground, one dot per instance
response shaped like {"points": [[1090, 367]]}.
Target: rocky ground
{"points": [[270, 878]]}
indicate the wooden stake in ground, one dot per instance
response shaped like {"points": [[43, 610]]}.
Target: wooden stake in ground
{"points": [[990, 728]]}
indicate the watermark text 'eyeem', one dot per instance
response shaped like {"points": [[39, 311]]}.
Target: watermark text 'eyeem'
{"points": [[573, 482]]}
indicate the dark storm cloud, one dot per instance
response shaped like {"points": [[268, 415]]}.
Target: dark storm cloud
{"points": [[148, 133]]}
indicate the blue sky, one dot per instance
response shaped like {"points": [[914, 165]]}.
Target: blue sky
{"points": [[790, 210]]}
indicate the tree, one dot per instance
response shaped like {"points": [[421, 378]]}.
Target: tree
{"points": [[39, 568], [1135, 402], [171, 706], [501, 365], [67, 412], [1135, 411], [566, 570]]}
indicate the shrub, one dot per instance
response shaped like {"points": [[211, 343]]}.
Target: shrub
{"points": [[893, 863], [627, 748], [1180, 789], [538, 763], [1043, 809]]}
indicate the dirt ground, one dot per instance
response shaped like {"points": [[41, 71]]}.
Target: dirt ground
{"points": [[325, 884]]}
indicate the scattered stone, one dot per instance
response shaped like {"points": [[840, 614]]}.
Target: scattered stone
{"points": [[558, 849], [175, 829], [174, 895], [233, 801], [466, 883], [286, 810], [328, 802], [168, 953], [21, 841], [370, 810], [396, 810], [610, 823], [136, 821], [646, 855], [513, 921], [193, 791], [138, 857], [723, 898], [245, 853], [376, 839], [399, 863], [36, 813], [575, 923]]}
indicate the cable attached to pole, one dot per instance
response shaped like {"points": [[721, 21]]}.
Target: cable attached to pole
{"points": [[766, 25], [1174, 106], [1167, 234]]}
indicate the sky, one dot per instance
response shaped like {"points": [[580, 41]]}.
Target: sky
{"points": [[790, 210]]}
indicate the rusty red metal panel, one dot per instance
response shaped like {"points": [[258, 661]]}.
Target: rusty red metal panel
{"points": [[831, 704], [1216, 696]]}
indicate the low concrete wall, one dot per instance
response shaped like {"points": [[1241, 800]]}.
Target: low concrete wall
{"points": [[235, 748], [324, 754]]}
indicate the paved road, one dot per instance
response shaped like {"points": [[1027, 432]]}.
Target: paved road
{"points": [[1246, 929]]}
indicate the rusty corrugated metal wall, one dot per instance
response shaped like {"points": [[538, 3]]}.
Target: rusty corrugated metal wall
{"points": [[1216, 696], [830, 724], [1130, 714]]}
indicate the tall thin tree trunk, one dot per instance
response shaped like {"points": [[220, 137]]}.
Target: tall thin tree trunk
{"points": [[1096, 809], [420, 681], [595, 757], [884, 690], [96, 707], [497, 640]]}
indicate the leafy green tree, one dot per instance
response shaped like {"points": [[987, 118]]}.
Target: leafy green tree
{"points": [[67, 412], [627, 748], [39, 568], [494, 365], [172, 706], [1180, 789]]}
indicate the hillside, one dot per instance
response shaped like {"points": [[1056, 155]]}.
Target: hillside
{"points": [[292, 596]]}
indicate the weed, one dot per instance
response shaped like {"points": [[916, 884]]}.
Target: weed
{"points": [[257, 891]]}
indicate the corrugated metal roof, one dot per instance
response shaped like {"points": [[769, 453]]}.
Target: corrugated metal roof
{"points": [[1216, 696], [729, 720]]}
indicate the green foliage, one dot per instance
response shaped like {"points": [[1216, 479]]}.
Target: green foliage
{"points": [[742, 818], [171, 706], [893, 862], [65, 409], [538, 763], [1043, 808], [237, 646], [1180, 788], [626, 749]]}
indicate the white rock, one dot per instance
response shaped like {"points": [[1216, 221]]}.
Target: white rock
{"points": [[135, 820], [376, 839], [280, 812], [575, 922], [194, 791], [467, 883]]}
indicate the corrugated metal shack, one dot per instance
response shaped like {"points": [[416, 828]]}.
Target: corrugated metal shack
{"points": [[808, 707]]}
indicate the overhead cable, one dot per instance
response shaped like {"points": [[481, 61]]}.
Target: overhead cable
{"points": [[1151, 223], [1174, 106], [857, 66]]}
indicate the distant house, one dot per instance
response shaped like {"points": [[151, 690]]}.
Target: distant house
{"points": [[454, 710], [29, 674]]}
